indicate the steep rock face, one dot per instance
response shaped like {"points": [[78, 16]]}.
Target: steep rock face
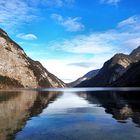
{"points": [[6, 82], [87, 76], [131, 78], [112, 69], [15, 64], [135, 54]]}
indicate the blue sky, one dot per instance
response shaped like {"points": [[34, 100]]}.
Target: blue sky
{"points": [[72, 37]]}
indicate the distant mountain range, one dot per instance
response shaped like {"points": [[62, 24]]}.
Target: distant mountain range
{"points": [[87, 76], [120, 70], [18, 70]]}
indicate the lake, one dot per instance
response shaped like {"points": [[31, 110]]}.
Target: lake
{"points": [[70, 114]]}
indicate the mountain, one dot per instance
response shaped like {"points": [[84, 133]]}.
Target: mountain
{"points": [[6, 82], [135, 54], [113, 69], [87, 76], [18, 70], [131, 78]]}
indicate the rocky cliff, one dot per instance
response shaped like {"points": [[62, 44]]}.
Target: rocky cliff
{"points": [[18, 70], [113, 69], [131, 78]]}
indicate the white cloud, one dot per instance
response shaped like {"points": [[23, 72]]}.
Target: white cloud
{"points": [[132, 22], [132, 43], [131, 27], [101, 46], [114, 40], [56, 3], [27, 36], [70, 24], [15, 12], [88, 52], [94, 43], [112, 2]]}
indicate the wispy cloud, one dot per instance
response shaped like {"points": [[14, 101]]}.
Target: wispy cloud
{"points": [[95, 43], [131, 28], [27, 36], [82, 64], [15, 12], [101, 46], [70, 24], [132, 22], [111, 2], [88, 52], [110, 41], [58, 3]]}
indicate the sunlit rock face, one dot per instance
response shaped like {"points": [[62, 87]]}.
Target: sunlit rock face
{"points": [[17, 107], [113, 69], [15, 64], [131, 78]]}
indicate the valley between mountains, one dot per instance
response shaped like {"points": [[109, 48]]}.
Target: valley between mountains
{"points": [[17, 70]]}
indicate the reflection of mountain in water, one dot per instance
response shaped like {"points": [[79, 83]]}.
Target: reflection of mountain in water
{"points": [[17, 107], [122, 105]]}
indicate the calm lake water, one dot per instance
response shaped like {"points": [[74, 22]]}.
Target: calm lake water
{"points": [[70, 114]]}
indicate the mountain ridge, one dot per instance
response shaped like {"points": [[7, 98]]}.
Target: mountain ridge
{"points": [[113, 69], [16, 65], [87, 76]]}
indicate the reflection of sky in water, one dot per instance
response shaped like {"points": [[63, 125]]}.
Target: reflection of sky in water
{"points": [[71, 103], [71, 117]]}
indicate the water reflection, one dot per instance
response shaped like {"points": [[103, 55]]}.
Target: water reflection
{"points": [[65, 115], [17, 107], [122, 105]]}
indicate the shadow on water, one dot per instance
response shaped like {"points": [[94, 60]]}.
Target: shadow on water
{"points": [[5, 96]]}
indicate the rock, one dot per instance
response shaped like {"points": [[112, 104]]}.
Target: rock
{"points": [[112, 70], [131, 78], [16, 65]]}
